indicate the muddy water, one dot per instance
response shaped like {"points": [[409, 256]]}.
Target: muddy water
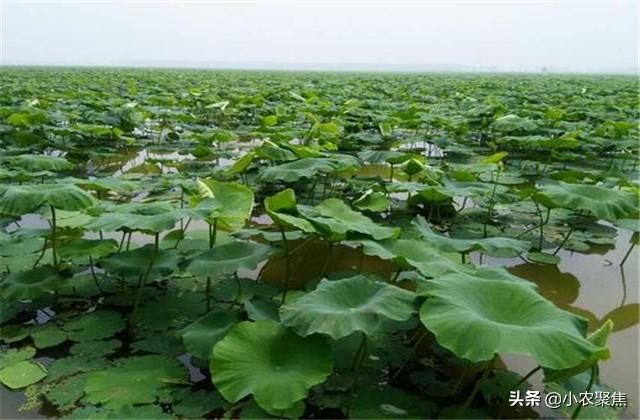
{"points": [[595, 287]]}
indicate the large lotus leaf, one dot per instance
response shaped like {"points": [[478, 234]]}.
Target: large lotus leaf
{"points": [[30, 284], [413, 253], [372, 201], [13, 246], [577, 385], [282, 209], [12, 356], [336, 218], [604, 203], [383, 156], [200, 336], [294, 171], [47, 335], [265, 359], [340, 307], [35, 163], [495, 246], [131, 221], [22, 374], [81, 249], [105, 184], [135, 380], [136, 262], [599, 338], [228, 203], [22, 199], [509, 316], [229, 257], [94, 326], [513, 124]]}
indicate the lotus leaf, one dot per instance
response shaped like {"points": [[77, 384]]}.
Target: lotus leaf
{"points": [[334, 218], [136, 262], [200, 336], [135, 380], [511, 317], [22, 374], [228, 203], [604, 203], [228, 258], [30, 284], [341, 307], [267, 360], [297, 170], [22, 199], [281, 207], [94, 326], [490, 246]]}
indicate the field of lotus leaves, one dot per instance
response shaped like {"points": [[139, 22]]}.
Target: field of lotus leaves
{"points": [[189, 244]]}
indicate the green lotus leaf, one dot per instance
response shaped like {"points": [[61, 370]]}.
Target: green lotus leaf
{"points": [[12, 356], [197, 404], [577, 385], [70, 365], [241, 164], [106, 184], [79, 249], [491, 246], [413, 253], [335, 219], [543, 258], [47, 335], [13, 333], [136, 262], [97, 348], [513, 124], [200, 336], [604, 203], [66, 391], [383, 156], [134, 222], [510, 316], [372, 201], [228, 203], [339, 308], [21, 199], [265, 359], [94, 326], [297, 170], [22, 374], [13, 246], [35, 163], [282, 209], [228, 258], [599, 338], [30, 284], [135, 380]]}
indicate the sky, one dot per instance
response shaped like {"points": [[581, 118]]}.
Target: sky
{"points": [[518, 35]]}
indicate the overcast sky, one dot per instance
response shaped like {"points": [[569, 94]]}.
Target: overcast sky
{"points": [[513, 35]]}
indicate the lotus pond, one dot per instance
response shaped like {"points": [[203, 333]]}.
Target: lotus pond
{"points": [[189, 244]]}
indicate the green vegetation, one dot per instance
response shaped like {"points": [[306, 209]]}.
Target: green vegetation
{"points": [[155, 228]]}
